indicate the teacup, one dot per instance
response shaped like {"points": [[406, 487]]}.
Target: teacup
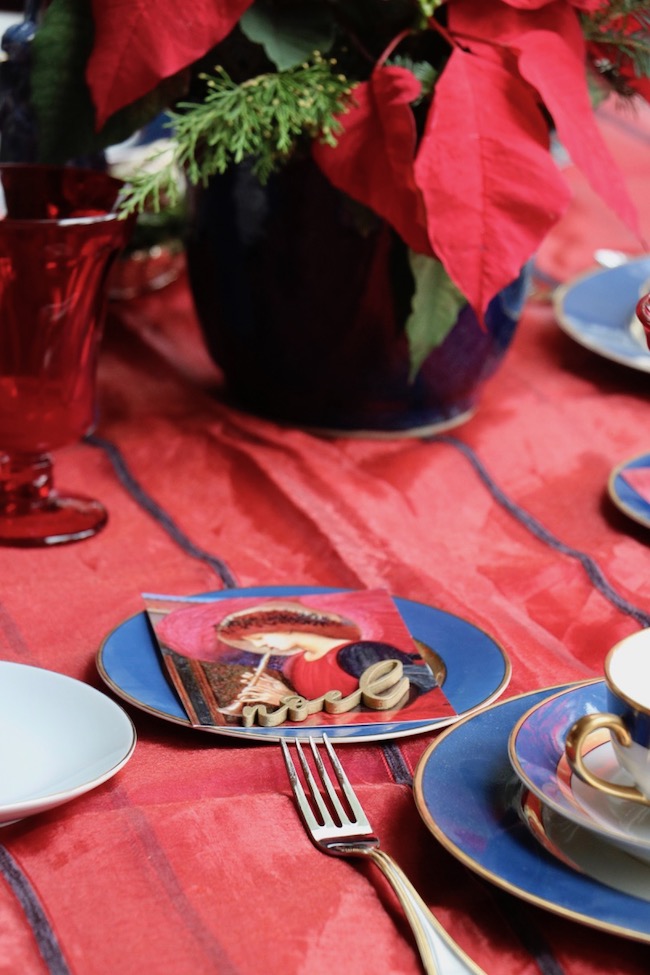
{"points": [[627, 676]]}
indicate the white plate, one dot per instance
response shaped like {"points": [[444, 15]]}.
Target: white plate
{"points": [[536, 749], [584, 851], [597, 310], [59, 738]]}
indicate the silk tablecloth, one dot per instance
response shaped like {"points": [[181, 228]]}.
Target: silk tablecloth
{"points": [[192, 859]]}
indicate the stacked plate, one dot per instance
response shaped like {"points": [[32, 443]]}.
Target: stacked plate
{"points": [[498, 793]]}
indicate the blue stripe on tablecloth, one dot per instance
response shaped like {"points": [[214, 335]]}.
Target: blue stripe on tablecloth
{"points": [[397, 764], [46, 939], [591, 567], [140, 496]]}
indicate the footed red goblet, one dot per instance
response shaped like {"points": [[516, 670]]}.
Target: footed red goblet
{"points": [[59, 235], [643, 314]]}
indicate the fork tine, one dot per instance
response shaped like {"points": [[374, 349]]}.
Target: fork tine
{"points": [[311, 782], [298, 791], [344, 782], [344, 819]]}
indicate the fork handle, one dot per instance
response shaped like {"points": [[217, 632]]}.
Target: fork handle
{"points": [[439, 952]]}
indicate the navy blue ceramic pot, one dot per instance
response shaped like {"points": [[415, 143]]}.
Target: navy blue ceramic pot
{"points": [[303, 295]]}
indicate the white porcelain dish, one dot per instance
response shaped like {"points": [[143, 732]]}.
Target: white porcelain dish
{"points": [[582, 850], [59, 738]]}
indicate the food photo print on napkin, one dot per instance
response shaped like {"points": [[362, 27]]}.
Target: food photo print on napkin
{"points": [[314, 659]]}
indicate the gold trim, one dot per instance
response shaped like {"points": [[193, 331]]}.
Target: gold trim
{"points": [[425, 430], [514, 761], [616, 499], [482, 871]]}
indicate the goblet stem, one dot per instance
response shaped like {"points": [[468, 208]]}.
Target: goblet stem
{"points": [[33, 513]]}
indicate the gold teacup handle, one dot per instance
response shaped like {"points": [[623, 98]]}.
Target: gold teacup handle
{"points": [[575, 739]]}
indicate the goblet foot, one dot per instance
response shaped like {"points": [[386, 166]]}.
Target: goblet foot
{"points": [[33, 514]]}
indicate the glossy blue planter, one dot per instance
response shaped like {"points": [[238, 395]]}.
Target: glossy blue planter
{"points": [[302, 296]]}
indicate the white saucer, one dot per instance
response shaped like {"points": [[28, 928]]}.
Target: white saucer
{"points": [[583, 850], [59, 738], [536, 750]]}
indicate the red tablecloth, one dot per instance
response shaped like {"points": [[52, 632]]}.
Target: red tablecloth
{"points": [[192, 859]]}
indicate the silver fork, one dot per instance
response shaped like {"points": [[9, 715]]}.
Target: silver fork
{"points": [[347, 833]]}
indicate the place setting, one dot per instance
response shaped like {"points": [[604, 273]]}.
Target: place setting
{"points": [[547, 794], [309, 668], [499, 787]]}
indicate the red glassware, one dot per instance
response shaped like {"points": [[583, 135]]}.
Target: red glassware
{"points": [[58, 240], [643, 314]]}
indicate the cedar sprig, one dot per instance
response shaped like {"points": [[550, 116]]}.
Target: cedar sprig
{"points": [[609, 26], [259, 120]]}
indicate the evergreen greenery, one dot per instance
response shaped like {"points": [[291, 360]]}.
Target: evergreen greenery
{"points": [[608, 27], [259, 120]]}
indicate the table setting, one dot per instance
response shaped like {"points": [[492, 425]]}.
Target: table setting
{"points": [[305, 695]]}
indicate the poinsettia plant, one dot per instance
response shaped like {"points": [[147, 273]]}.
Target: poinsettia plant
{"points": [[435, 114]]}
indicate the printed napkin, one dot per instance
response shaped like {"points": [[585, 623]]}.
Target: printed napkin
{"points": [[318, 659]]}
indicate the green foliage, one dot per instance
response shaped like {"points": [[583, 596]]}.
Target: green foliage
{"points": [[423, 71], [429, 6], [434, 308], [260, 120], [610, 26], [64, 111], [288, 35]]}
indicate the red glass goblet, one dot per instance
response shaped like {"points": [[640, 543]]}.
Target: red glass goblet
{"points": [[643, 314], [59, 236]]}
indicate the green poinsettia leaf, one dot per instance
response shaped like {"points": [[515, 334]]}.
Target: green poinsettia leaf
{"points": [[289, 36], [64, 111], [434, 308]]}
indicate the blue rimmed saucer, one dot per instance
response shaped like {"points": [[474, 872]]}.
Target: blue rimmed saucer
{"points": [[597, 310], [623, 493]]}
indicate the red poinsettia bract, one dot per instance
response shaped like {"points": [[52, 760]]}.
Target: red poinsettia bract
{"points": [[549, 46], [481, 189], [490, 187], [373, 159], [140, 42]]}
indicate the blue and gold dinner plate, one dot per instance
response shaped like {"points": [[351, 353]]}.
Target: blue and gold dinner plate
{"points": [[477, 670]]}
